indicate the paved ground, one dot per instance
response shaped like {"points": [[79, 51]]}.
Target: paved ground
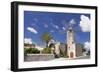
{"points": [[49, 57], [83, 57], [62, 59]]}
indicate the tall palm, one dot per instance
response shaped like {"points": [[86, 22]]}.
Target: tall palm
{"points": [[46, 37]]}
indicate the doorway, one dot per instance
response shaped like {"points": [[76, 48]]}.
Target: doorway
{"points": [[71, 54]]}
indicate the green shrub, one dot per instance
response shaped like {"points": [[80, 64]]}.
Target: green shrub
{"points": [[46, 51], [31, 51], [62, 54]]}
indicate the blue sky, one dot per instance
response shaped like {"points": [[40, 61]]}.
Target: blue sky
{"points": [[36, 23]]}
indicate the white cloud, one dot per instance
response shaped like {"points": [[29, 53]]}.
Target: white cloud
{"points": [[51, 31], [87, 45], [55, 26], [63, 28], [72, 21], [32, 30], [85, 23], [45, 25], [35, 19], [28, 40]]}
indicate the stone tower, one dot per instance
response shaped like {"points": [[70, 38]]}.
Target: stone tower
{"points": [[71, 47]]}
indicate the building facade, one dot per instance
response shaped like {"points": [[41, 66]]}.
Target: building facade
{"points": [[27, 46], [71, 46]]}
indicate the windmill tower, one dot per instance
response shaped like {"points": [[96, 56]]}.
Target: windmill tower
{"points": [[71, 47], [71, 44]]}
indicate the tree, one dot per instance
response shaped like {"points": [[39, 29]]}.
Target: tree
{"points": [[46, 51], [31, 51], [46, 37], [82, 46], [88, 52]]}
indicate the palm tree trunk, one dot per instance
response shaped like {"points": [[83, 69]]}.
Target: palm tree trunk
{"points": [[46, 44]]}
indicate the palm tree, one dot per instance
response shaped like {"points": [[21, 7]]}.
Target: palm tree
{"points": [[46, 37]]}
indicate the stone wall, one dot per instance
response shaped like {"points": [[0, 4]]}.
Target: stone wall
{"points": [[38, 57]]}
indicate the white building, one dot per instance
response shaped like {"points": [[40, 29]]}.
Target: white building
{"points": [[57, 46], [71, 47], [39, 48]]}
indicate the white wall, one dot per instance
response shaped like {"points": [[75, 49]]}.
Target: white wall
{"points": [[5, 35]]}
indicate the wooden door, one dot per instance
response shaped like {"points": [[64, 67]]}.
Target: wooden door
{"points": [[71, 54]]}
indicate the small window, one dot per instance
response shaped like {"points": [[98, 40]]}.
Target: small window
{"points": [[70, 30]]}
